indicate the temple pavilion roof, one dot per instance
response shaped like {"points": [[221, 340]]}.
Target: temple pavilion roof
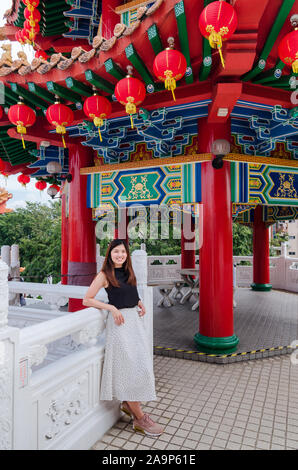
{"points": [[256, 85]]}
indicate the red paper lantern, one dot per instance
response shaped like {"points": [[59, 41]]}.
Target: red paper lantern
{"points": [[288, 50], [41, 55], [60, 116], [31, 4], [23, 179], [1, 112], [217, 22], [21, 116], [32, 16], [98, 108], [130, 92], [28, 27], [25, 36], [41, 185], [19, 38], [2, 166], [169, 66]]}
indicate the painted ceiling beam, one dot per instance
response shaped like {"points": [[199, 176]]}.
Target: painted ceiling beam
{"points": [[30, 97], [139, 65], [207, 57], [183, 37], [271, 75], [63, 92], [113, 69], [154, 38], [284, 11], [41, 92], [99, 82], [78, 87]]}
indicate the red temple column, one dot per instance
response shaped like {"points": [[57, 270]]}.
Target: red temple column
{"points": [[64, 236], [82, 240], [261, 265], [216, 331], [109, 18], [188, 252]]}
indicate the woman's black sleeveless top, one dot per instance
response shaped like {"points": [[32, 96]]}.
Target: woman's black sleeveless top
{"points": [[125, 296]]}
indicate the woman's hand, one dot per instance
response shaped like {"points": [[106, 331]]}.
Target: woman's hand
{"points": [[117, 315], [142, 307]]}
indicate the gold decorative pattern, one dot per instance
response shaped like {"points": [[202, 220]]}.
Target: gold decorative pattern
{"points": [[204, 157]]}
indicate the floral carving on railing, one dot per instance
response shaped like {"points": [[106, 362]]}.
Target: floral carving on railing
{"points": [[66, 405]]}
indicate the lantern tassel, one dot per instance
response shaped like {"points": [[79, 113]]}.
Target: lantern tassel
{"points": [[221, 57], [131, 109], [61, 130], [215, 41], [98, 121], [170, 82], [21, 130], [295, 66]]}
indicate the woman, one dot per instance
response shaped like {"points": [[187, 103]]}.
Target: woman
{"points": [[128, 369]]}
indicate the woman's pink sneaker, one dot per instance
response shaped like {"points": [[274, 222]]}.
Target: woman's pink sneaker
{"points": [[147, 426], [126, 409]]}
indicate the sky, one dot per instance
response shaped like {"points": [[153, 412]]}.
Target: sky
{"points": [[20, 194]]}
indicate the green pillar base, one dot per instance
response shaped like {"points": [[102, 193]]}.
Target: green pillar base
{"points": [[224, 345], [261, 287]]}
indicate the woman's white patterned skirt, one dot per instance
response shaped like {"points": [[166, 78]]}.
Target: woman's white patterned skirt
{"points": [[128, 366]]}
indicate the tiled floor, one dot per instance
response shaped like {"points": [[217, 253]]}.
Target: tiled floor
{"points": [[261, 320], [249, 405], [244, 405]]}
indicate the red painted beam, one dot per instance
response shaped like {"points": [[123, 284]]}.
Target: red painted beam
{"points": [[225, 97], [240, 49], [266, 95], [38, 133]]}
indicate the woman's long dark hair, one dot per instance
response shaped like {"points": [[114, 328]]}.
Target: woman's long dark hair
{"points": [[108, 265]]}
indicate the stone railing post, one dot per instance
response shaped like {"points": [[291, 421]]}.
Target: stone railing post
{"points": [[9, 340], [284, 250], [140, 267], [10, 256]]}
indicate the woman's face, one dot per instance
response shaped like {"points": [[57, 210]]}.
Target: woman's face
{"points": [[118, 255]]}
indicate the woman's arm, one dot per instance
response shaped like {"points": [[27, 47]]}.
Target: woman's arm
{"points": [[142, 307], [98, 283]]}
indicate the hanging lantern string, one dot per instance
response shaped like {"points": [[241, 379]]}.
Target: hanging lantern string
{"points": [[98, 122], [22, 130], [215, 41], [170, 82], [61, 130], [130, 108]]}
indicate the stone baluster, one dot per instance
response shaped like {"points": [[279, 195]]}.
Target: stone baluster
{"points": [[9, 338], [15, 262], [5, 255], [140, 267], [3, 293]]}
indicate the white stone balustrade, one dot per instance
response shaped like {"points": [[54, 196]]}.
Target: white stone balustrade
{"points": [[52, 405], [283, 270]]}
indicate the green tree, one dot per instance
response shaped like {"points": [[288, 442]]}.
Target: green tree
{"points": [[242, 240], [279, 238], [37, 230]]}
